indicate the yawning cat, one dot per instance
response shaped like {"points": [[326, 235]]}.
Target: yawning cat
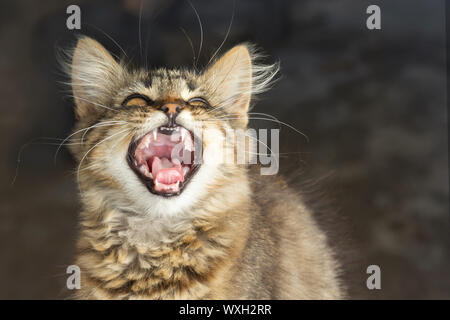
{"points": [[159, 220]]}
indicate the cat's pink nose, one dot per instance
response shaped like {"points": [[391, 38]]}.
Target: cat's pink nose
{"points": [[171, 110]]}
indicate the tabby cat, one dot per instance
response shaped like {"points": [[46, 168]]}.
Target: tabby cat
{"points": [[155, 225]]}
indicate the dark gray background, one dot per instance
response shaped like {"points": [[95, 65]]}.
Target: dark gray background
{"points": [[373, 104]]}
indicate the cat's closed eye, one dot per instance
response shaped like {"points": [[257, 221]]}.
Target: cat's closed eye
{"points": [[138, 100], [199, 102]]}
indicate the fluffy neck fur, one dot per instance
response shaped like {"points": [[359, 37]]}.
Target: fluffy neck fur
{"points": [[219, 239], [127, 254]]}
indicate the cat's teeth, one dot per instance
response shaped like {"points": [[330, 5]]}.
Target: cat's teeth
{"points": [[157, 183], [183, 135], [155, 134], [144, 169]]}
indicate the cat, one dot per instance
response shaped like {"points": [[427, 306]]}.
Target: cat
{"points": [[153, 226]]}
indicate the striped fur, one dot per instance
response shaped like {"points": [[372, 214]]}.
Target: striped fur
{"points": [[231, 234]]}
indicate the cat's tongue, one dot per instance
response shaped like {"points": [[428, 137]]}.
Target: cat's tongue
{"points": [[167, 174]]}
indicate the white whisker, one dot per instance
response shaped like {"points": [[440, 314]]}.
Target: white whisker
{"points": [[96, 145], [191, 44], [104, 123], [264, 119], [91, 102], [226, 35], [139, 28], [259, 141], [109, 37], [34, 142], [201, 32]]}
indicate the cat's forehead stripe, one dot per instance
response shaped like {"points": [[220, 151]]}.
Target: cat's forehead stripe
{"points": [[147, 81], [169, 76]]}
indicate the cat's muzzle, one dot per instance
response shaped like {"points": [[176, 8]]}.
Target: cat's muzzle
{"points": [[164, 159]]}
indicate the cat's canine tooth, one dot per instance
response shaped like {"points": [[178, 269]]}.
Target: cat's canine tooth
{"points": [[183, 135], [155, 134], [143, 169]]}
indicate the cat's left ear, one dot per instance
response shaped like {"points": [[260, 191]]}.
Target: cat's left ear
{"points": [[93, 73], [235, 77], [229, 82]]}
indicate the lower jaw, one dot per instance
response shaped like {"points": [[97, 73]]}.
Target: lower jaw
{"points": [[150, 184], [151, 187]]}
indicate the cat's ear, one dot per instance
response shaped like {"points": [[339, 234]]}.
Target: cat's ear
{"points": [[235, 77], [93, 72], [229, 81]]}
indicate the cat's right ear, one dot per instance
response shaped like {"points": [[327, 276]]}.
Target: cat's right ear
{"points": [[92, 72]]}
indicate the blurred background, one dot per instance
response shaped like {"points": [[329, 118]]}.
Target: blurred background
{"points": [[373, 104]]}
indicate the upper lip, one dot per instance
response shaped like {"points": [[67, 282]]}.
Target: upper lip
{"points": [[167, 130]]}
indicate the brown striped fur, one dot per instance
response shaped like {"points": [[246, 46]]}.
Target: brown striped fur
{"points": [[231, 234]]}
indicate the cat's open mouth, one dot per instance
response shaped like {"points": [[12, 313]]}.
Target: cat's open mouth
{"points": [[164, 159]]}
